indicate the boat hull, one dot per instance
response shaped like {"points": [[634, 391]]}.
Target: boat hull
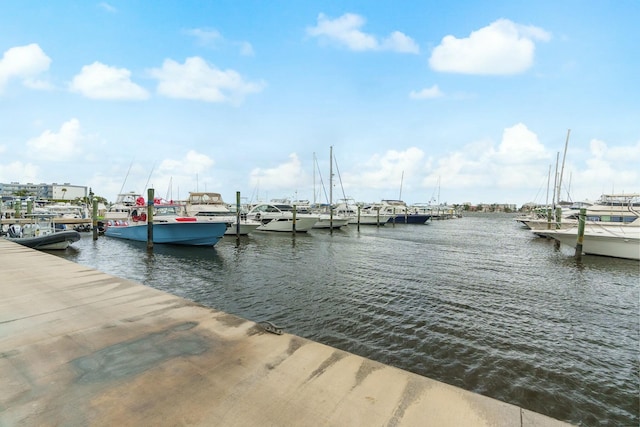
{"points": [[326, 221], [603, 241], [410, 219], [245, 228], [201, 233], [55, 241], [285, 224]]}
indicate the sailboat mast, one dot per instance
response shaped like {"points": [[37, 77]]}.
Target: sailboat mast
{"points": [[564, 156], [401, 179], [555, 181], [331, 187], [330, 175], [315, 161]]}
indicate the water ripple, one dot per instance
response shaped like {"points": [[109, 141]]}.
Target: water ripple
{"points": [[479, 303]]}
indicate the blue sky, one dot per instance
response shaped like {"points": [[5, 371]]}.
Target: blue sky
{"points": [[467, 101]]}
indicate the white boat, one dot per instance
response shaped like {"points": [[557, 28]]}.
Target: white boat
{"points": [[42, 233], [619, 240], [610, 208], [169, 226], [403, 214], [210, 206], [279, 216], [121, 208], [326, 218], [365, 215]]}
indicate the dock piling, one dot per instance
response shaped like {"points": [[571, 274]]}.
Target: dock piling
{"points": [[581, 221], [150, 196]]}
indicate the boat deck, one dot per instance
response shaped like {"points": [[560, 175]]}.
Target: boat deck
{"points": [[79, 347]]}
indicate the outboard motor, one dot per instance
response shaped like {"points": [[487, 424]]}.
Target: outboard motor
{"points": [[14, 231]]}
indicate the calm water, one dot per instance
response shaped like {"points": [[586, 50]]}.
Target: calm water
{"points": [[477, 302]]}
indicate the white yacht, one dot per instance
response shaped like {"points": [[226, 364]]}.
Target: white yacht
{"points": [[613, 239], [280, 216], [210, 206]]}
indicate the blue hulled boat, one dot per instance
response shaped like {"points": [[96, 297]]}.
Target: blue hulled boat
{"points": [[403, 214], [168, 227]]}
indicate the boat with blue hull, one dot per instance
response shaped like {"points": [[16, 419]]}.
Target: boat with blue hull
{"points": [[169, 227], [403, 214]]}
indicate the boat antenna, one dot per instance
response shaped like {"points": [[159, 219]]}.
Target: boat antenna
{"points": [[125, 178], [401, 179], [149, 178]]}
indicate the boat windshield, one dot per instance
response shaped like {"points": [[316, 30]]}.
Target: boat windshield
{"points": [[166, 211]]}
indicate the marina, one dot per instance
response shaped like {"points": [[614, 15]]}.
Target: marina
{"points": [[478, 302]]}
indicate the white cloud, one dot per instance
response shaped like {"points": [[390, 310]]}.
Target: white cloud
{"points": [[208, 38], [106, 6], [387, 171], [426, 93], [18, 171], [287, 176], [519, 146], [214, 40], [503, 47], [197, 80], [345, 30], [520, 161], [607, 169], [193, 163], [100, 81], [57, 147], [25, 63]]}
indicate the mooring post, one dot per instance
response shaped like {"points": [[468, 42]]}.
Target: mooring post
{"points": [[549, 218], [581, 221], [94, 215], [150, 196], [358, 218], [237, 215], [558, 217], [294, 219], [378, 217]]}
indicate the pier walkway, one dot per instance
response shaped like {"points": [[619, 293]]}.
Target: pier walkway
{"points": [[82, 348]]}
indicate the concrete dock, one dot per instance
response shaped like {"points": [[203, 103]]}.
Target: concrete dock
{"points": [[82, 348]]}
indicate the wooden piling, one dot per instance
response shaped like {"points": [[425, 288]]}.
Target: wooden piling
{"points": [[358, 218], [94, 218], [294, 220], [237, 215], [150, 196], [581, 221]]}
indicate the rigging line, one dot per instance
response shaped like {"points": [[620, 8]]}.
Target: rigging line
{"points": [[125, 177], [321, 181], [146, 186], [344, 196]]}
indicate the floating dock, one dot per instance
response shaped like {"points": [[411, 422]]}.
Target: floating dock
{"points": [[79, 347]]}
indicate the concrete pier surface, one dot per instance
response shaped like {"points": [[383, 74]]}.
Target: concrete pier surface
{"points": [[82, 348]]}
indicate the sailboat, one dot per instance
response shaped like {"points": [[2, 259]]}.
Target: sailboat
{"points": [[329, 218]]}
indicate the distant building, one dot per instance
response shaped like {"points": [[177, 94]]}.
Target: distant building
{"points": [[53, 191]]}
